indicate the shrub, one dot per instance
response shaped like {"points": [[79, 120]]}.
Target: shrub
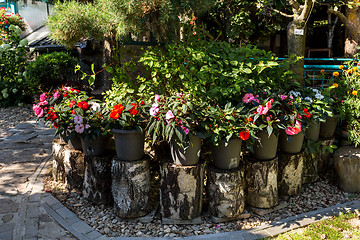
{"points": [[51, 70]]}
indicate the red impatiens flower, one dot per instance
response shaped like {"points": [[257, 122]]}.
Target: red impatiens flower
{"points": [[72, 103], [83, 105], [307, 114], [133, 110], [142, 102], [244, 135], [115, 113]]}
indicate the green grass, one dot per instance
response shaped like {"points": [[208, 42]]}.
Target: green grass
{"points": [[338, 227]]}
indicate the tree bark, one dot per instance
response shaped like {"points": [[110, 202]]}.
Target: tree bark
{"points": [[262, 184], [296, 45], [181, 191], [226, 192], [325, 157], [97, 179], [352, 36], [58, 154], [131, 187], [290, 173], [311, 162]]}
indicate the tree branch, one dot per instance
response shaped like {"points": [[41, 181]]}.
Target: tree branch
{"points": [[282, 13], [343, 19], [306, 9], [294, 4]]}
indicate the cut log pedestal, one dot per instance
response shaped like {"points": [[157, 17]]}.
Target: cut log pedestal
{"points": [[181, 191], [310, 173], [226, 192], [97, 179], [291, 168], [68, 165], [261, 181], [347, 167], [131, 187], [325, 160]]}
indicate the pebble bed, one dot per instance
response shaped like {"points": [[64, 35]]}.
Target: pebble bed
{"points": [[320, 194]]}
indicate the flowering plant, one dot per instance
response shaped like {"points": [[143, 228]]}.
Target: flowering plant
{"points": [[263, 111], [224, 124], [317, 104], [81, 114], [174, 117], [127, 114]]}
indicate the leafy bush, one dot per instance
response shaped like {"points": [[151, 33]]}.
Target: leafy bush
{"points": [[13, 88], [51, 70]]}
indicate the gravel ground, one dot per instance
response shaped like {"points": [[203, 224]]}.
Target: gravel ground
{"points": [[321, 194], [11, 116]]}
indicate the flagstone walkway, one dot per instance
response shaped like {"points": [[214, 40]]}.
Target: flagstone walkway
{"points": [[27, 212]]}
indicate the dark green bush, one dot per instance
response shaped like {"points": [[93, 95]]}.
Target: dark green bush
{"points": [[51, 70]]}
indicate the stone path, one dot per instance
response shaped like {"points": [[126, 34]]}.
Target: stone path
{"points": [[27, 212]]}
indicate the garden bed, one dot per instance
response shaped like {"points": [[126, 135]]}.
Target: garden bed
{"points": [[321, 194]]}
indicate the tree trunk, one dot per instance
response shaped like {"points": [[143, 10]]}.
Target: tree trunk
{"points": [[58, 155], [325, 157], [311, 162], [352, 36], [181, 191], [225, 190], [296, 45], [290, 173], [97, 179], [131, 187], [262, 183]]}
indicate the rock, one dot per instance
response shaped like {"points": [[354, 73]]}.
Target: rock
{"points": [[347, 166]]}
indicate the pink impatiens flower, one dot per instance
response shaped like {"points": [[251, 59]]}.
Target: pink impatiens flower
{"points": [[186, 130], [294, 129], [283, 97], [78, 119], [157, 98], [43, 97], [169, 115], [248, 97], [268, 104], [262, 110], [79, 128], [154, 109], [56, 94], [39, 112]]}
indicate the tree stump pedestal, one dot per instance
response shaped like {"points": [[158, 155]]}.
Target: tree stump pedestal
{"points": [[181, 191], [97, 179], [226, 192], [131, 187], [310, 173], [325, 160], [291, 168], [261, 181], [68, 165]]}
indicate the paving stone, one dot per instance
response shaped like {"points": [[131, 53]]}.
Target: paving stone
{"points": [[7, 218], [23, 126], [31, 228], [65, 213], [6, 231], [93, 235], [32, 210], [50, 200], [82, 227], [36, 197], [45, 218], [8, 206]]}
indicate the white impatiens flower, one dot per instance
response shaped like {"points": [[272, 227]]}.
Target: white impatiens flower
{"points": [[95, 106], [295, 94], [319, 96], [308, 99]]}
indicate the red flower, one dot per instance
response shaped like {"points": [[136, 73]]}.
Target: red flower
{"points": [[56, 125], [142, 102], [72, 103], [83, 105], [250, 119], [244, 135], [133, 110], [114, 115]]}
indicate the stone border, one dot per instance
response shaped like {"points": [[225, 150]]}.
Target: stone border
{"points": [[70, 222]]}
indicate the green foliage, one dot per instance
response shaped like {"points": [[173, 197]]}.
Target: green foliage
{"points": [[214, 71], [13, 88], [51, 70]]}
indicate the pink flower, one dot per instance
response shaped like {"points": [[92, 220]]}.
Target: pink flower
{"points": [[87, 126], [268, 119], [294, 130], [42, 103], [39, 112], [78, 119], [157, 98], [248, 98], [79, 128], [154, 110], [262, 110], [298, 116], [186, 130], [66, 88], [268, 104], [56, 94], [283, 97], [43, 97], [169, 115]]}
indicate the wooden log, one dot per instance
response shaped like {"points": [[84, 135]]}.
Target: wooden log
{"points": [[310, 173], [261, 181], [131, 187], [291, 168], [347, 166], [74, 168], [181, 191], [325, 160], [58, 153], [97, 179], [226, 192]]}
